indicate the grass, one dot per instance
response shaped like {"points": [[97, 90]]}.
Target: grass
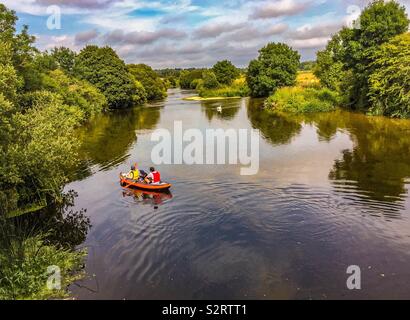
{"points": [[24, 262], [237, 89], [306, 97], [306, 79]]}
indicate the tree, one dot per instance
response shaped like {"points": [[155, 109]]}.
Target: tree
{"points": [[64, 58], [225, 72], [154, 87], [379, 22], [210, 80], [276, 66], [187, 77], [75, 93], [389, 83], [329, 67], [104, 69]]}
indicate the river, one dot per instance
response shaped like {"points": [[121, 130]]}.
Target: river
{"points": [[331, 192]]}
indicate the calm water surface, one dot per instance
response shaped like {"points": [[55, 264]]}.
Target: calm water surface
{"points": [[332, 191]]}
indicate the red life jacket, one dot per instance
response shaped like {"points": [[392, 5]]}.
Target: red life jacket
{"points": [[157, 177]]}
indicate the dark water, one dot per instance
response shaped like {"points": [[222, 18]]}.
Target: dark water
{"points": [[332, 191]]}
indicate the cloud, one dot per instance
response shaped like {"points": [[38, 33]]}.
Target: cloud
{"points": [[281, 8], [89, 4], [142, 37], [316, 31], [86, 36], [213, 30], [313, 43]]}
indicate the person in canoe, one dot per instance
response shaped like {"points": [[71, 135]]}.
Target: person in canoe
{"points": [[134, 174], [153, 177]]}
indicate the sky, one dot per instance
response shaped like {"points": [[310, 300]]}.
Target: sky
{"points": [[187, 33]]}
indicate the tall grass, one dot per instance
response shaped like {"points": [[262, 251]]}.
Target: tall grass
{"points": [[306, 97], [303, 100], [25, 256], [239, 88]]}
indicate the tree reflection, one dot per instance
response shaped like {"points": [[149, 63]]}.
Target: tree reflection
{"points": [[58, 224], [276, 128], [107, 138], [380, 159]]}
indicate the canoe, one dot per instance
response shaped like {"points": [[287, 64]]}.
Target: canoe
{"points": [[144, 186]]}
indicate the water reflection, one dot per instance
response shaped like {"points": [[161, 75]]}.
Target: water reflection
{"points": [[380, 160], [147, 197], [222, 109], [277, 129], [59, 224], [107, 138]]}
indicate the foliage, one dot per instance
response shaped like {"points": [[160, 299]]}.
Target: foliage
{"points": [[209, 80], [225, 72], [303, 100], [329, 68], [187, 78], [37, 150], [24, 260], [307, 65], [154, 86], [275, 67], [104, 69], [75, 93], [389, 92], [353, 50], [64, 58]]}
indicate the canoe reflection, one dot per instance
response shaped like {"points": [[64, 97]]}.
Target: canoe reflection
{"points": [[148, 197]]}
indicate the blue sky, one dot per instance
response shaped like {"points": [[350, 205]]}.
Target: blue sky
{"points": [[188, 33]]}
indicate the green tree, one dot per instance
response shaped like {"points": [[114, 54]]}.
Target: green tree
{"points": [[225, 72], [75, 93], [104, 69], [276, 66], [154, 86], [64, 58], [379, 22], [187, 78], [210, 80], [389, 82], [329, 67]]}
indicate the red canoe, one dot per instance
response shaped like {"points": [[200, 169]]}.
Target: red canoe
{"points": [[144, 186]]}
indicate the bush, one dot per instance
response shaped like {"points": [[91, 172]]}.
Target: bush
{"points": [[303, 100]]}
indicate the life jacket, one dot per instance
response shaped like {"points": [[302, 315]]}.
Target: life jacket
{"points": [[157, 177], [135, 174]]}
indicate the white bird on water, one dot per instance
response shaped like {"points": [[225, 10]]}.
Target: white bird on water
{"points": [[219, 109]]}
